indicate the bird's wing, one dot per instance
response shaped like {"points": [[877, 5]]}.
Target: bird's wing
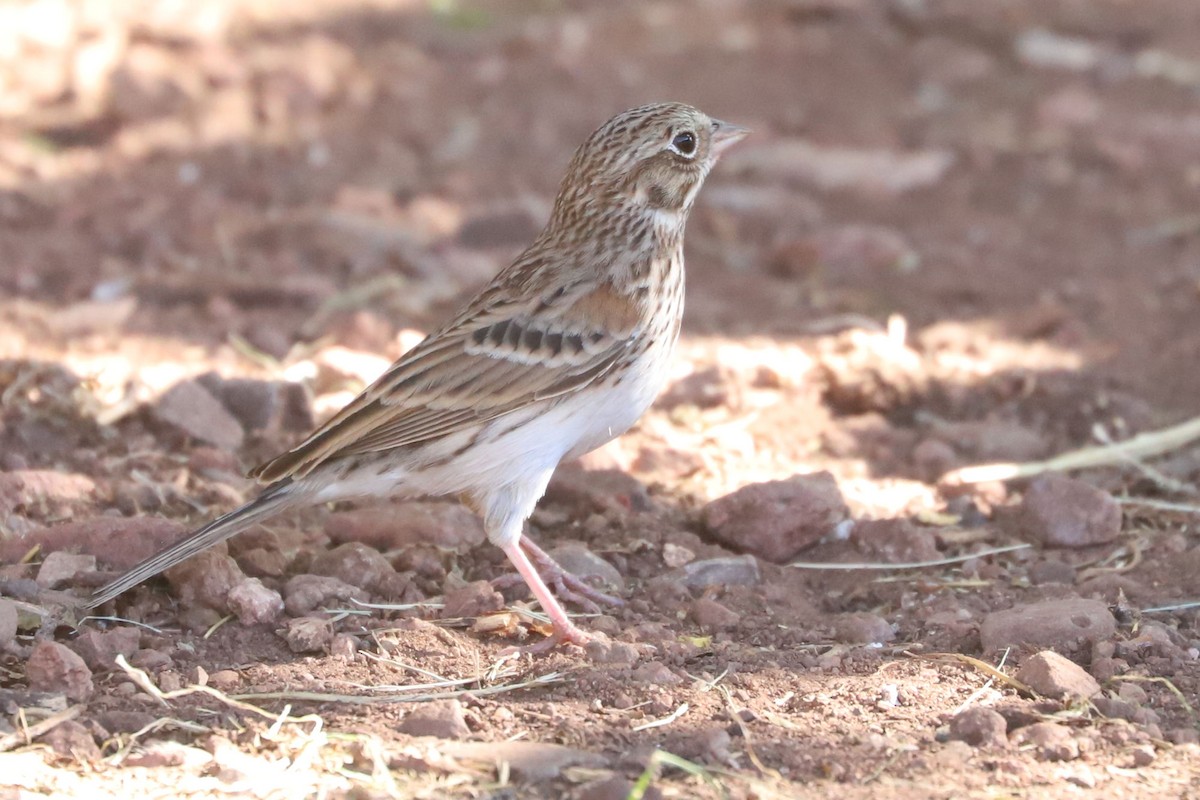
{"points": [[506, 350]]}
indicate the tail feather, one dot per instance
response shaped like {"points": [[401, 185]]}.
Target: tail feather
{"points": [[273, 500]]}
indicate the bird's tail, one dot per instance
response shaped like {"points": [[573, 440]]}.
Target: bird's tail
{"points": [[274, 499]]}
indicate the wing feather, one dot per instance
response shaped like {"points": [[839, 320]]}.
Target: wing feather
{"points": [[494, 358]]}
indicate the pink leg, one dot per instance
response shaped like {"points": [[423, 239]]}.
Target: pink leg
{"points": [[569, 587], [564, 629]]}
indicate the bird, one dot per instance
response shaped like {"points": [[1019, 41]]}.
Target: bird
{"points": [[561, 352]]}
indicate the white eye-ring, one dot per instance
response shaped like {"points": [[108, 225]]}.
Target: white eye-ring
{"points": [[684, 143]]}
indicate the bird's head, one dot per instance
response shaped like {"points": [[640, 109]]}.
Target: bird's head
{"points": [[649, 161]]}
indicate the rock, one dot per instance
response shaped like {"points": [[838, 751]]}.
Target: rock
{"points": [[933, 458], [581, 562], [1130, 692], [205, 579], [308, 634], [883, 172], [260, 405], [441, 718], [862, 628], [72, 740], [728, 571], [866, 371], [656, 673], [99, 649], [61, 568], [446, 525], [709, 387], [193, 409], [589, 491], [600, 650], [306, 593], [8, 621], [1115, 708], [614, 788], [117, 542], [1051, 624], [53, 667], [343, 646], [225, 680], [1051, 675], [359, 565], [473, 600], [894, 541], [28, 489], [535, 762], [848, 251], [1052, 741], [979, 727], [1063, 512], [254, 603], [675, 555], [261, 562], [775, 520], [713, 616], [1051, 570], [340, 368]]}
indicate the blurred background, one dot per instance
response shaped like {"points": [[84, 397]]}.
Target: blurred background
{"points": [[1027, 167], [961, 232]]}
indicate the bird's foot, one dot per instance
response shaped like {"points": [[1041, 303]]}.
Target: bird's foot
{"points": [[565, 632], [567, 585]]}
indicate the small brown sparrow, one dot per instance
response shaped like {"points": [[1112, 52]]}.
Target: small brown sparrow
{"points": [[563, 351]]}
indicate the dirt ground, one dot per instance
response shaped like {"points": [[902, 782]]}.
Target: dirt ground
{"points": [[961, 233]]}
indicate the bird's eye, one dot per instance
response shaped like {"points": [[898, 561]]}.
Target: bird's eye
{"points": [[684, 143]]}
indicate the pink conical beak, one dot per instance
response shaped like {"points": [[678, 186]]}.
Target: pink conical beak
{"points": [[725, 134]]}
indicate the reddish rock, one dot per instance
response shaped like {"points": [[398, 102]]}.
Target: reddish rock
{"points": [[709, 387], [775, 520], [713, 616], [894, 540], [1062, 512], [308, 634], [1052, 675], [444, 719], [727, 571], [306, 593], [473, 600], [72, 740], [581, 562], [260, 405], [1051, 741], [99, 649], [117, 542], [979, 727], [192, 408], [205, 579], [53, 667], [862, 628], [254, 603], [1052, 624], [359, 565], [446, 525], [28, 489], [588, 491], [60, 568]]}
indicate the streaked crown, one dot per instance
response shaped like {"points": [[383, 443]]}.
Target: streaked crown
{"points": [[648, 161]]}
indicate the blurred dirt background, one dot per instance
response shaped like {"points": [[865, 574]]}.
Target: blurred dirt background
{"points": [[961, 233]]}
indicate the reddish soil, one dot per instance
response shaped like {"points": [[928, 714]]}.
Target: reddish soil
{"points": [[961, 233]]}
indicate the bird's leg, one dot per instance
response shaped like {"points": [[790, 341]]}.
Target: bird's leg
{"points": [[567, 585], [564, 629]]}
